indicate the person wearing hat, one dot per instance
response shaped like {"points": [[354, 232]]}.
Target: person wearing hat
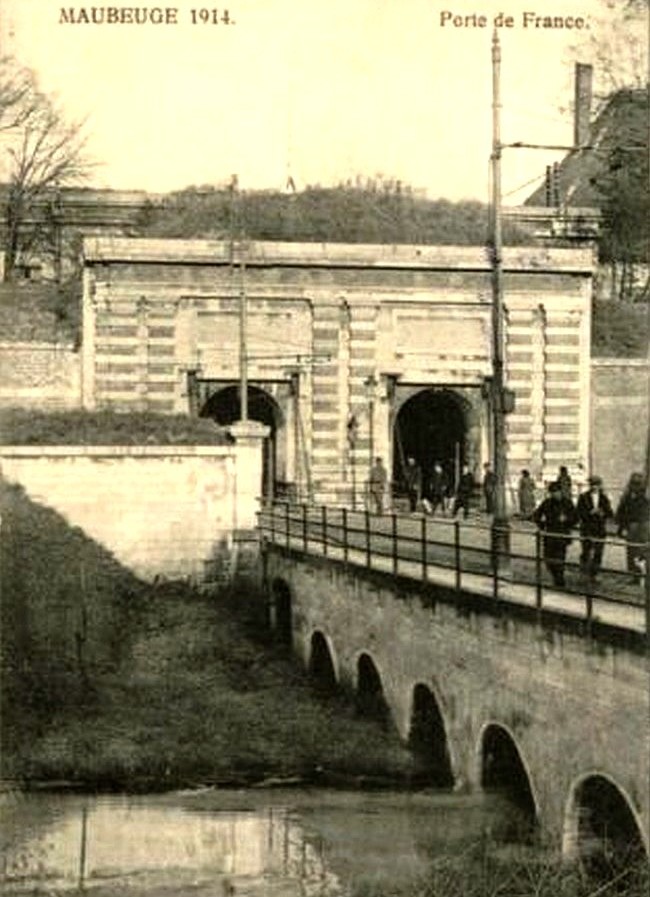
{"points": [[633, 521], [556, 516], [594, 509]]}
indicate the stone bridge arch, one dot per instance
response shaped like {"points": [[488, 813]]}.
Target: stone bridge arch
{"points": [[602, 827], [369, 694], [281, 611], [428, 738], [323, 663], [503, 770]]}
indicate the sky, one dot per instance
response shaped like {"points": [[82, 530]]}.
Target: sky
{"points": [[322, 90]]}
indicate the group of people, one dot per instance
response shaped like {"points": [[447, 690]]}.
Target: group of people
{"points": [[430, 493], [557, 516]]}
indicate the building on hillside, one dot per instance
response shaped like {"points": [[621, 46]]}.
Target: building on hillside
{"points": [[610, 157], [57, 220], [352, 351]]}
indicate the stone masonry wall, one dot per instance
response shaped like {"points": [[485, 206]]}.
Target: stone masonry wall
{"points": [[163, 511], [40, 374], [620, 415]]}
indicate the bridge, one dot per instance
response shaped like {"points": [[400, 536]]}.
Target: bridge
{"points": [[494, 677]]}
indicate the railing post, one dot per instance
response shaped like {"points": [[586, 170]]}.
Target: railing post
{"points": [[457, 553], [324, 519], [304, 527], [366, 515], [423, 547], [287, 524], [394, 545], [538, 569], [345, 535]]}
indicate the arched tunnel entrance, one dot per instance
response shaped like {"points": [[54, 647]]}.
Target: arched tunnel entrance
{"points": [[428, 739], [503, 773], [606, 837], [321, 666], [430, 426], [370, 699], [224, 407]]}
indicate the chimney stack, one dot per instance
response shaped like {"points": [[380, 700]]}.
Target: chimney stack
{"points": [[582, 104]]}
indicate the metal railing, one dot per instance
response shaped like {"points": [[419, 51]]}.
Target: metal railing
{"points": [[457, 554]]}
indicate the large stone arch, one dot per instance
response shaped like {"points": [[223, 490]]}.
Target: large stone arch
{"points": [[323, 663], [602, 827], [503, 770], [437, 423], [222, 403], [428, 738]]}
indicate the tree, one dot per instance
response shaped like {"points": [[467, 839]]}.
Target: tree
{"points": [[44, 154]]}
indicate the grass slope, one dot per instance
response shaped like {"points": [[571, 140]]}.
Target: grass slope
{"points": [[114, 684]]}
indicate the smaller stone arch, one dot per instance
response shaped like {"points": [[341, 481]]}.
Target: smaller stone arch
{"points": [[370, 699], [223, 405], [282, 612], [428, 740], [322, 667], [602, 828], [503, 771]]}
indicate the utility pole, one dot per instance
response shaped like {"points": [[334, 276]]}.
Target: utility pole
{"points": [[500, 523], [238, 225]]}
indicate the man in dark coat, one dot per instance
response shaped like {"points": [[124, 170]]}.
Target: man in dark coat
{"points": [[413, 478], [438, 487], [489, 488], [594, 509], [633, 520], [464, 491], [556, 516]]}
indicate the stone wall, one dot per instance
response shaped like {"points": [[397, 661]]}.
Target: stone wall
{"points": [[620, 415], [162, 511], [42, 375]]}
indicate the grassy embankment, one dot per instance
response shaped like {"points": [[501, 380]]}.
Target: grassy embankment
{"points": [[485, 872], [110, 683]]}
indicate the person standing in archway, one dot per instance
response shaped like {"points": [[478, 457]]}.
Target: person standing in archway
{"points": [[377, 485], [438, 488], [413, 478], [464, 492]]}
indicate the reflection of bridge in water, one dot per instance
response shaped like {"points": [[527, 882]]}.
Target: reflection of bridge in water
{"points": [[500, 680]]}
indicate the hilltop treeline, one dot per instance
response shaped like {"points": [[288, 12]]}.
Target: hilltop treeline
{"points": [[365, 211]]}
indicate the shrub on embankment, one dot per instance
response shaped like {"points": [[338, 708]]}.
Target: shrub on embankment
{"points": [[111, 683]]}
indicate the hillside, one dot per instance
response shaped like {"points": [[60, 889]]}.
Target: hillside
{"points": [[111, 683]]}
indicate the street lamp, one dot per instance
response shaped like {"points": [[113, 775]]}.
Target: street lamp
{"points": [[371, 385]]}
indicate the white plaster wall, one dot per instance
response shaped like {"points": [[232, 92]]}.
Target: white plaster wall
{"points": [[162, 511]]}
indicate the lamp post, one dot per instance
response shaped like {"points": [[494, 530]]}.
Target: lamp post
{"points": [[371, 385], [500, 397]]}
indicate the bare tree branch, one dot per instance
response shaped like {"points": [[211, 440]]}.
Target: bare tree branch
{"points": [[44, 153]]}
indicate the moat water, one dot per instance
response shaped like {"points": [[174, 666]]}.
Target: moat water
{"points": [[232, 842]]}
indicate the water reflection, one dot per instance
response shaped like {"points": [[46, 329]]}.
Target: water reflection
{"points": [[228, 842]]}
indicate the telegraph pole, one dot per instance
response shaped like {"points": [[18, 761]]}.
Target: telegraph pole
{"points": [[243, 305], [500, 523]]}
